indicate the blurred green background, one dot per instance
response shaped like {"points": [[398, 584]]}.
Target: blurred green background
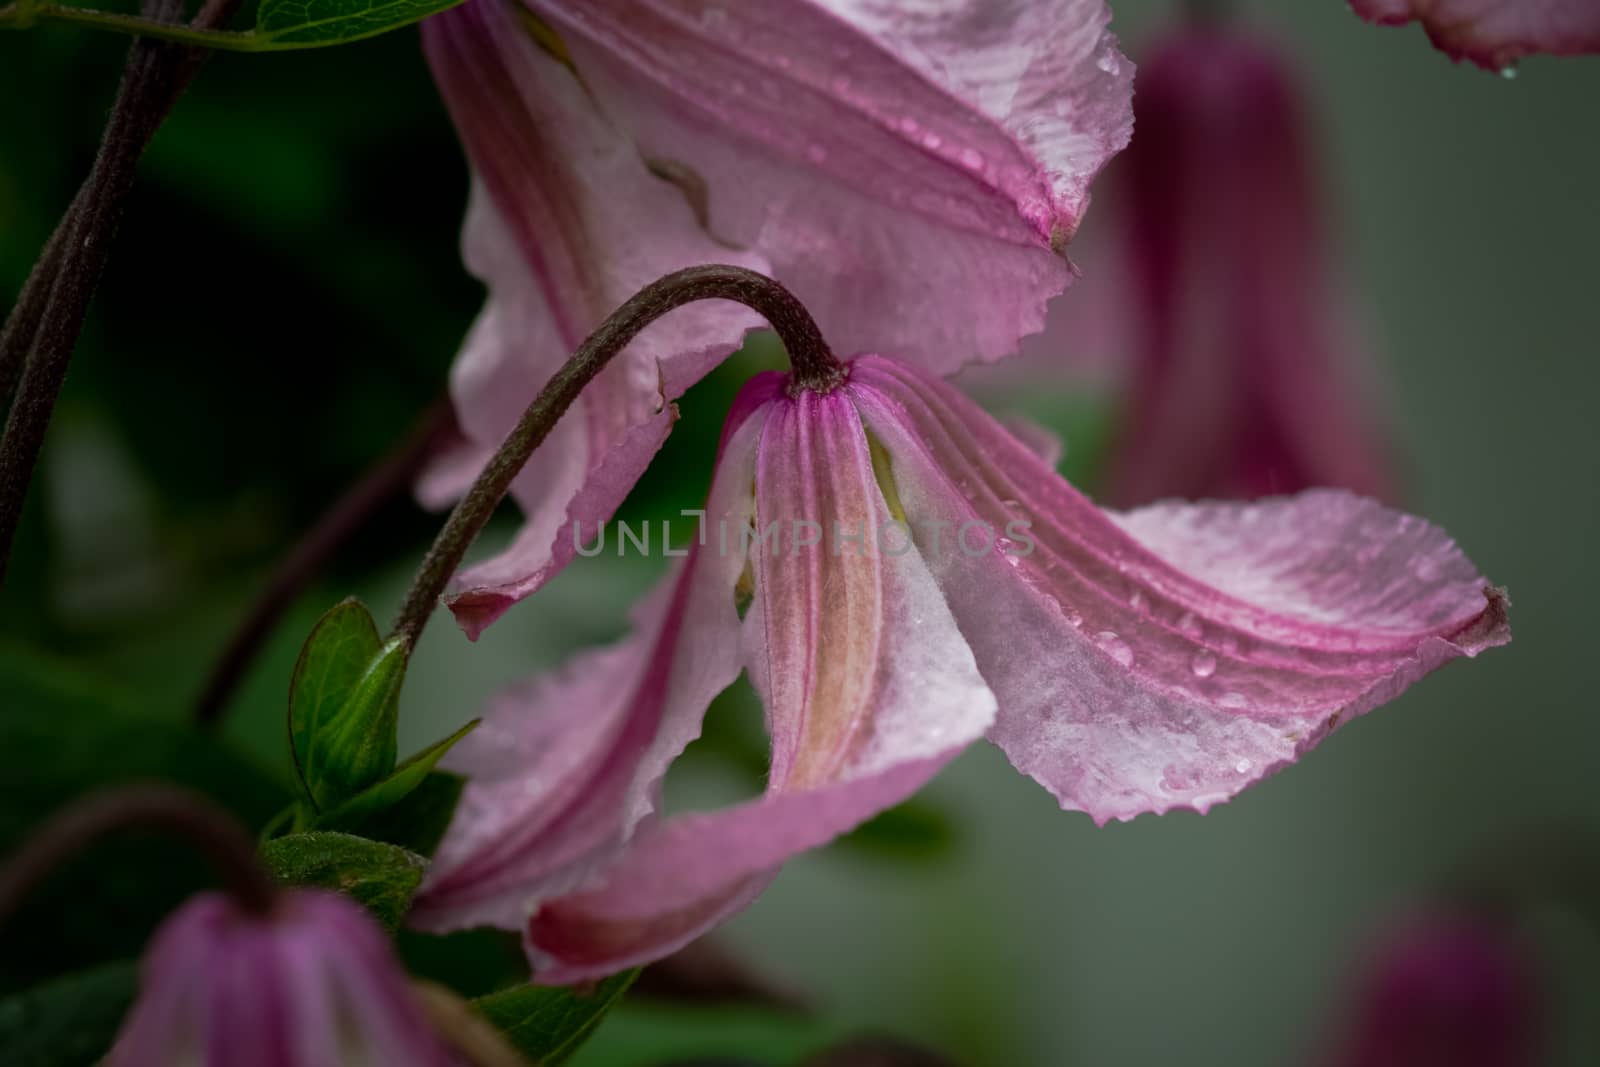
{"points": [[286, 296]]}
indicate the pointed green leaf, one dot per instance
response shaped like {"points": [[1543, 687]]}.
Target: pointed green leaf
{"points": [[548, 1024], [397, 786], [332, 663], [323, 22], [380, 877], [356, 748]]}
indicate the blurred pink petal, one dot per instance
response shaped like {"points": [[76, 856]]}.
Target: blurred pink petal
{"points": [[313, 984], [913, 173], [1443, 990], [1494, 34], [1209, 281], [1162, 658]]}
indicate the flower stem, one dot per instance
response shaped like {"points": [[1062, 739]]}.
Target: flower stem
{"points": [[813, 363], [186, 814], [37, 341]]}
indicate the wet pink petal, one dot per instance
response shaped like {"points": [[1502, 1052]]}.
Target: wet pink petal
{"points": [[892, 161], [883, 161], [1494, 34], [313, 984], [563, 768], [1170, 656], [910, 563], [869, 689], [565, 223]]}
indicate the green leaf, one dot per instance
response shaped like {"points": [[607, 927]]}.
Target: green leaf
{"points": [[418, 820], [68, 1022], [548, 1024], [63, 736], [332, 663], [344, 706], [380, 877], [324, 22], [361, 740], [396, 787]]}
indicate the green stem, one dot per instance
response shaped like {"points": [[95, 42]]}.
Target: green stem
{"points": [[20, 16]]}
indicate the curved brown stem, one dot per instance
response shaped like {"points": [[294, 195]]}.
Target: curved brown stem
{"points": [[815, 368], [178, 811]]}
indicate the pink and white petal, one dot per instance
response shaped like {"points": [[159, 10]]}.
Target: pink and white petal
{"points": [[550, 537], [565, 224], [869, 685], [1170, 657], [845, 139], [1494, 34], [564, 768]]}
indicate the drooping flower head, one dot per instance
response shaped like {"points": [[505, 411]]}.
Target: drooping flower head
{"points": [[1494, 34], [1241, 376], [312, 984], [899, 576], [1443, 989], [912, 172]]}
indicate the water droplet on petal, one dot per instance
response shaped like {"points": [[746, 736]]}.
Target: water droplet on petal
{"points": [[972, 159], [1108, 62], [1189, 623], [909, 126], [1508, 73], [1204, 664], [932, 141], [1243, 766], [1136, 600], [1074, 620], [1115, 647]]}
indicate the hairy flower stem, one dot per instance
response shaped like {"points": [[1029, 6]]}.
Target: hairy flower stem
{"points": [[813, 363], [391, 476], [42, 329], [180, 812]]}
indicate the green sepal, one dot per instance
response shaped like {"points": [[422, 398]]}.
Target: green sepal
{"points": [[344, 706], [361, 745], [394, 788]]}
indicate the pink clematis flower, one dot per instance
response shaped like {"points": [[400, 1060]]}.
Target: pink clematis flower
{"points": [[313, 984], [1443, 990], [900, 575], [1494, 34], [1240, 379], [912, 172]]}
